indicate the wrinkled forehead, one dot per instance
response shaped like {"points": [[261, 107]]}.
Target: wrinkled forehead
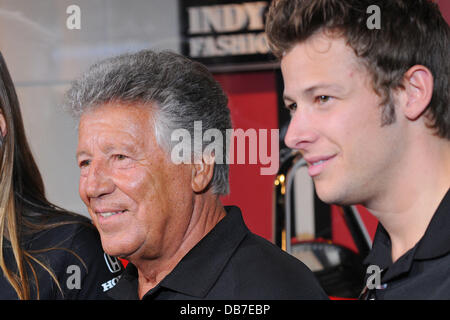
{"points": [[114, 124]]}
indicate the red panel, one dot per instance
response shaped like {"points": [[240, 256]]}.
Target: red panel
{"points": [[369, 220], [340, 232], [253, 104], [445, 9]]}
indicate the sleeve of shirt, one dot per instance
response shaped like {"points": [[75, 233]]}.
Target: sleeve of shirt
{"points": [[89, 271]]}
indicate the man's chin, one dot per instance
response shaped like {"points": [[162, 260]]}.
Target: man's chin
{"points": [[329, 194], [116, 253], [337, 197], [325, 193], [117, 249]]}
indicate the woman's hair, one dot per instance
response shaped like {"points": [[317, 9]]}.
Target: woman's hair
{"points": [[24, 208]]}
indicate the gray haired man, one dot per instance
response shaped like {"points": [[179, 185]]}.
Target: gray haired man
{"points": [[166, 218]]}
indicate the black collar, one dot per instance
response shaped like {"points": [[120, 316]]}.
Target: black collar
{"points": [[436, 240], [434, 243], [199, 269]]}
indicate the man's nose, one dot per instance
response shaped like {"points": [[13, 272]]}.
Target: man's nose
{"points": [[99, 181], [301, 132]]}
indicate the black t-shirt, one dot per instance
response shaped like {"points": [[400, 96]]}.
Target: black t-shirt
{"points": [[78, 262], [421, 273], [230, 262]]}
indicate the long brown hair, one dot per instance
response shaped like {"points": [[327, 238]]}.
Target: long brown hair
{"points": [[23, 204]]}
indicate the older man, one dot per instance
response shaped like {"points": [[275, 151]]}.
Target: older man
{"points": [[166, 218]]}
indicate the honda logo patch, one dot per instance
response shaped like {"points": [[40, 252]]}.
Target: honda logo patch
{"points": [[112, 263]]}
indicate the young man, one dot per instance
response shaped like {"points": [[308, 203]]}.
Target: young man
{"points": [[370, 114]]}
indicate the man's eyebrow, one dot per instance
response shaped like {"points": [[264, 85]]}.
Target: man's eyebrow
{"points": [[128, 147], [333, 86], [131, 148], [81, 153], [310, 90], [287, 99]]}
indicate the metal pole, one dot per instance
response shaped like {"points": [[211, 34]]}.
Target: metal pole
{"points": [[289, 182]]}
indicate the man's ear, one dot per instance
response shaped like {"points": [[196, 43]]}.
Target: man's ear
{"points": [[418, 83], [3, 124], [202, 173]]}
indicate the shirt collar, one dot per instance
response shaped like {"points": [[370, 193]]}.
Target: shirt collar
{"points": [[380, 254], [436, 240], [199, 269], [127, 287], [434, 243]]}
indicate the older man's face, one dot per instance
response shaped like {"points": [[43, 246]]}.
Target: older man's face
{"points": [[137, 198]]}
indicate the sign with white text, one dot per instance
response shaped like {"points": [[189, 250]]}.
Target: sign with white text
{"points": [[226, 35]]}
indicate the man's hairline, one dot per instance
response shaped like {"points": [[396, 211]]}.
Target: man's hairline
{"points": [[153, 105], [336, 34]]}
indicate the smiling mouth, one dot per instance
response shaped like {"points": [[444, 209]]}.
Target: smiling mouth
{"points": [[110, 214], [318, 162], [316, 167]]}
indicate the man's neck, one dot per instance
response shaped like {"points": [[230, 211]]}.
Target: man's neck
{"points": [[406, 228], [409, 202], [207, 212]]}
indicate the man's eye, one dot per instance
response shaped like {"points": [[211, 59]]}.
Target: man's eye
{"points": [[322, 99], [120, 157], [292, 107], [84, 163]]}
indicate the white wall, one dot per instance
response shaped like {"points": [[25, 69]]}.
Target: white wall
{"points": [[43, 56]]}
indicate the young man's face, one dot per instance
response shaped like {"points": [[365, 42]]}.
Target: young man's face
{"points": [[336, 124]]}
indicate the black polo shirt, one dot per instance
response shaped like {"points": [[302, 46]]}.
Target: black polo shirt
{"points": [[230, 262], [421, 273]]}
